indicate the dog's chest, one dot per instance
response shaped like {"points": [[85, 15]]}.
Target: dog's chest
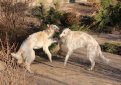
{"points": [[40, 44]]}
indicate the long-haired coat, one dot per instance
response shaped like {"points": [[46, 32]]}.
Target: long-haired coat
{"points": [[77, 39], [42, 39]]}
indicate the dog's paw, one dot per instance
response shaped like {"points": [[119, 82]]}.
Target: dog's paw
{"points": [[90, 69], [65, 64]]}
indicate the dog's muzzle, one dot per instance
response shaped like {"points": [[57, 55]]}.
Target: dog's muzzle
{"points": [[61, 37]]}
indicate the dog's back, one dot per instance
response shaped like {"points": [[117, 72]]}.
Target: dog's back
{"points": [[78, 39]]}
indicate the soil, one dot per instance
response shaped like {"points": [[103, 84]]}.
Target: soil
{"points": [[80, 9], [76, 73]]}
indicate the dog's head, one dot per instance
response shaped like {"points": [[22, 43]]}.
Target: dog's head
{"points": [[65, 32], [53, 27]]}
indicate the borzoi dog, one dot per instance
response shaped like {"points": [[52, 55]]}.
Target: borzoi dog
{"points": [[77, 39], [42, 39]]}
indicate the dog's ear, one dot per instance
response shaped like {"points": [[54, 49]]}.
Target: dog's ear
{"points": [[49, 26], [68, 29]]}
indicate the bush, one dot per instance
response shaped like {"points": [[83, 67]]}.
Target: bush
{"points": [[106, 3], [12, 19], [37, 11], [108, 16], [70, 19], [86, 21], [75, 27], [58, 4], [102, 18], [115, 15], [52, 17], [112, 48]]}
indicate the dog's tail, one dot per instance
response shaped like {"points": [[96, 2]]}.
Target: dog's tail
{"points": [[102, 56], [18, 57], [15, 55]]}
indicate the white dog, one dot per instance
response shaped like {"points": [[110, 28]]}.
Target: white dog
{"points": [[42, 39], [77, 39]]}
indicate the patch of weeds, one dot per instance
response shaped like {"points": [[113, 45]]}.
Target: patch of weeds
{"points": [[112, 47]]}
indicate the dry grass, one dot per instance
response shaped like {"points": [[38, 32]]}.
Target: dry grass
{"points": [[13, 26], [13, 74], [13, 19], [16, 20]]}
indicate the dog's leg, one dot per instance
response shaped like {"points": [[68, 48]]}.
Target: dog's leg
{"points": [[46, 50], [91, 53], [92, 60], [29, 60], [67, 57], [27, 66], [20, 61]]}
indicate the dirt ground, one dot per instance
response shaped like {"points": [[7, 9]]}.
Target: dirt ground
{"points": [[76, 73], [79, 9]]}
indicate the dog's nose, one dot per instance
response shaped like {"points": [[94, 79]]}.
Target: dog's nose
{"points": [[59, 37]]}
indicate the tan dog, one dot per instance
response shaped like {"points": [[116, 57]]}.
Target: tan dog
{"points": [[42, 39], [77, 39]]}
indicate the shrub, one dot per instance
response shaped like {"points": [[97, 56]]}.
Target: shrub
{"points": [[75, 27], [58, 4], [112, 48], [86, 21], [108, 16], [96, 4], [106, 3], [70, 19], [37, 11], [12, 19], [115, 15], [52, 17], [102, 18]]}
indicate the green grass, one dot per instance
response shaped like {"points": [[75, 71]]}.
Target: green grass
{"points": [[112, 47]]}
